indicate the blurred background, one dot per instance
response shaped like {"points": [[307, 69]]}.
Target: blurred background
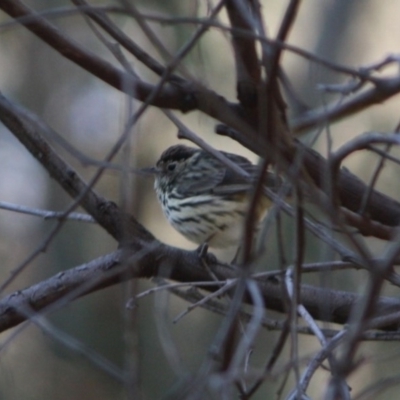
{"points": [[92, 116]]}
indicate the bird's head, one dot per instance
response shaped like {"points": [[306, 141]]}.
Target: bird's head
{"points": [[171, 164]]}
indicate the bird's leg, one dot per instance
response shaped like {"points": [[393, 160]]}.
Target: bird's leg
{"points": [[238, 255], [207, 259], [202, 250]]}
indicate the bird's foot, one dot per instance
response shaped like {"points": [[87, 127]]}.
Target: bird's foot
{"points": [[205, 256], [207, 260]]}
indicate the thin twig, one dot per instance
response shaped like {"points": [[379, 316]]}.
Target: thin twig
{"points": [[227, 286], [46, 214]]}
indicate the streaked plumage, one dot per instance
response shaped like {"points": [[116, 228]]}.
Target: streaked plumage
{"points": [[202, 198]]}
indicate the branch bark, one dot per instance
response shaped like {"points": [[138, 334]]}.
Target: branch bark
{"points": [[156, 259]]}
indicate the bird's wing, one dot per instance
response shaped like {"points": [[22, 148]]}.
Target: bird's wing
{"points": [[219, 179], [215, 177], [234, 183], [203, 181]]}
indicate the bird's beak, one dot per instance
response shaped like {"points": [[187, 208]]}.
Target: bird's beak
{"points": [[149, 171]]}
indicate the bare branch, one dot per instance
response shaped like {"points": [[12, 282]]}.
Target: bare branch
{"points": [[248, 73], [384, 89], [169, 96], [45, 214]]}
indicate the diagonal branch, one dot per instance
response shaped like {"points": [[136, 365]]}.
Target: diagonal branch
{"points": [[30, 131], [170, 96], [101, 18], [382, 90]]}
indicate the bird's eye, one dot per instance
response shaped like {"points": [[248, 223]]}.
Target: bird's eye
{"points": [[171, 167]]}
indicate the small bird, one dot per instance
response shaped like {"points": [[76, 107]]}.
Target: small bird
{"points": [[202, 198]]}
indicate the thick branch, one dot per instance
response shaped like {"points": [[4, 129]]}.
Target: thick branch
{"points": [[248, 72], [351, 189], [171, 96], [31, 131], [156, 259]]}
